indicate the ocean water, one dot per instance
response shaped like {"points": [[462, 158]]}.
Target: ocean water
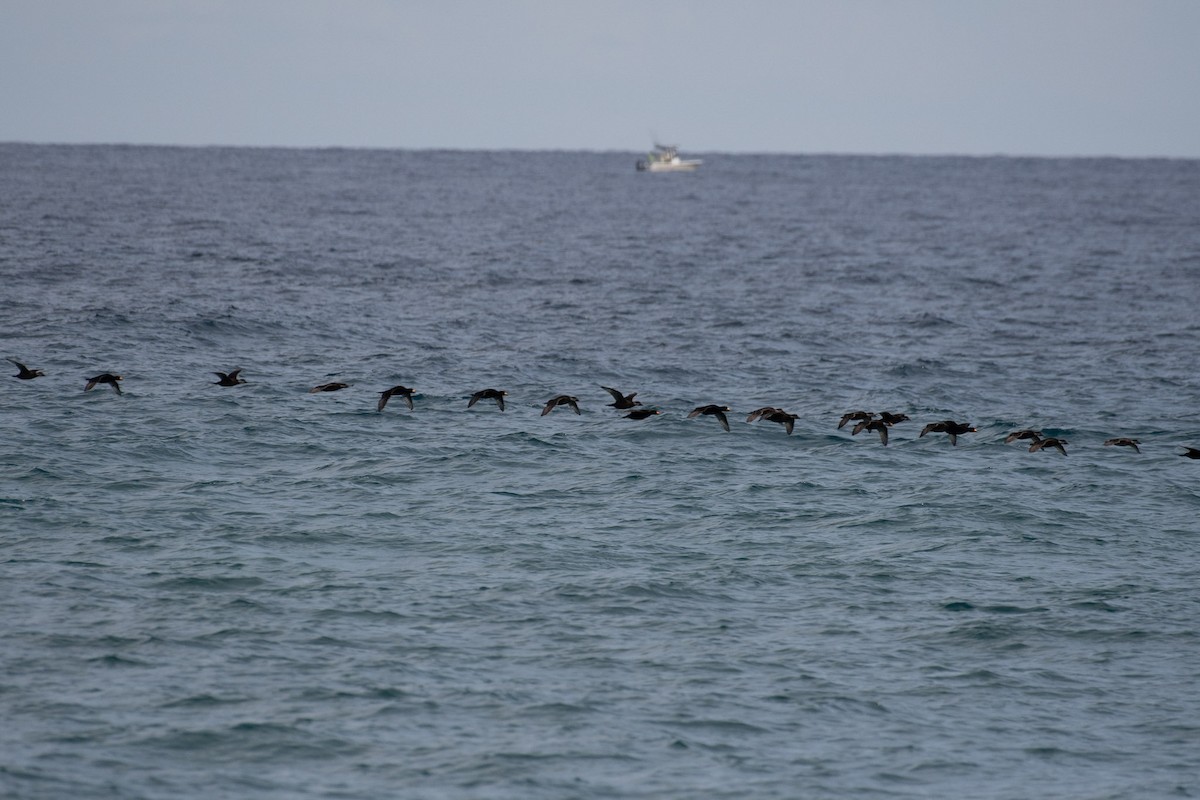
{"points": [[259, 591]]}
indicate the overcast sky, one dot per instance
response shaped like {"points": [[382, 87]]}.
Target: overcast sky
{"points": [[1018, 77]]}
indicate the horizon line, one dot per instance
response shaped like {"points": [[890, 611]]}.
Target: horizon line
{"points": [[601, 151]]}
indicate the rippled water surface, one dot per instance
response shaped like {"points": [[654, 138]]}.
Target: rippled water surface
{"points": [[258, 591]]}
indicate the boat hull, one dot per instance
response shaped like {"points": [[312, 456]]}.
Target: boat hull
{"points": [[668, 166]]}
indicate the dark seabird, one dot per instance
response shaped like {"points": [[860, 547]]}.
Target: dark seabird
{"points": [[1050, 441], [950, 427], [561, 400], [879, 425], [715, 411], [1189, 452], [759, 413], [328, 387], [488, 394], [641, 413], [621, 400], [1123, 442], [25, 373], [231, 379], [1023, 434], [782, 417], [402, 391], [863, 416], [874, 425], [104, 377], [889, 419]]}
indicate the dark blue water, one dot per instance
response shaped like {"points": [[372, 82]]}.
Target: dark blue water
{"points": [[258, 591]]}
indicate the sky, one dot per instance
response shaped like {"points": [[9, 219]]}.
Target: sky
{"points": [[968, 77]]}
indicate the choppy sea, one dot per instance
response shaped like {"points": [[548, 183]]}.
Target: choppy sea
{"points": [[258, 591]]}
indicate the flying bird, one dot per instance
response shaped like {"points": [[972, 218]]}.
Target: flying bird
{"points": [[230, 379], [561, 400], [621, 400], [402, 391], [779, 415], [713, 411], [1123, 442], [104, 377], [1050, 441], [873, 425], [949, 427], [488, 394], [25, 373]]}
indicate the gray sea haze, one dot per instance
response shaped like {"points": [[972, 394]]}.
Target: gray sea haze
{"points": [[214, 592]]}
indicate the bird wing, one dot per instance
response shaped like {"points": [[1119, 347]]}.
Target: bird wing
{"points": [[759, 413], [617, 396], [721, 419]]}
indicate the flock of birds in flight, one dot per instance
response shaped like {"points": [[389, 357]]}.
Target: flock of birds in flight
{"points": [[864, 420]]}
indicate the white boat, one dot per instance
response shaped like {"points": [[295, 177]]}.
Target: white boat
{"points": [[665, 158]]}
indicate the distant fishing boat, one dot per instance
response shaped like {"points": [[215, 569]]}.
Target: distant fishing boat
{"points": [[665, 158]]}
